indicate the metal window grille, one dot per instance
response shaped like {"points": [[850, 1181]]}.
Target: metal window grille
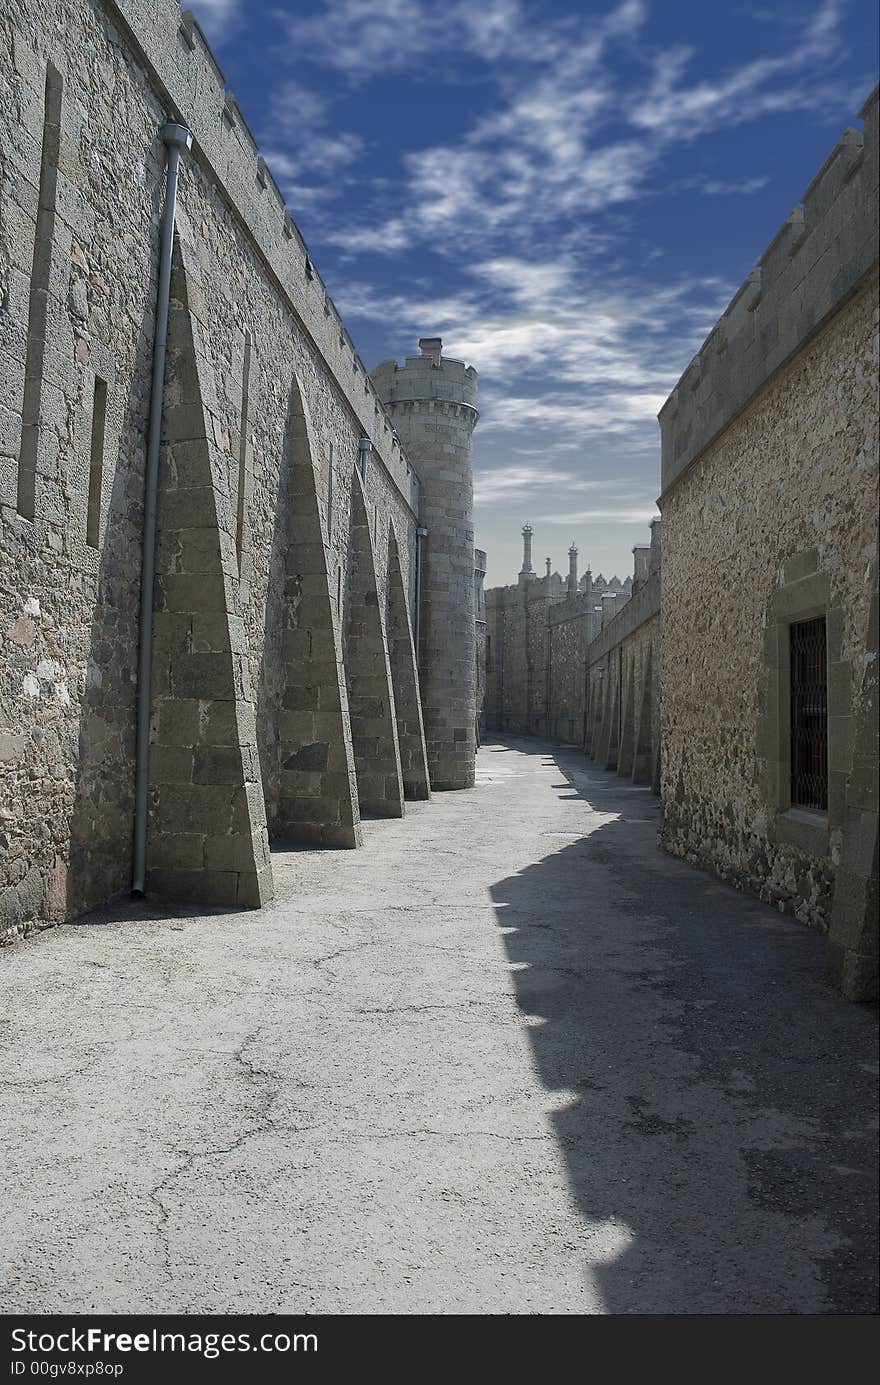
{"points": [[809, 715]]}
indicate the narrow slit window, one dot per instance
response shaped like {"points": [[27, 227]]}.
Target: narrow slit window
{"points": [[96, 463], [38, 304], [809, 715], [244, 425], [339, 592]]}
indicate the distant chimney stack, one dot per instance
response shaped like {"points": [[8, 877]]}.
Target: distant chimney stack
{"points": [[431, 347], [573, 571], [609, 607], [641, 565]]}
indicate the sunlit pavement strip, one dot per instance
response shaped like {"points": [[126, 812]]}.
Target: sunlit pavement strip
{"points": [[507, 1058]]}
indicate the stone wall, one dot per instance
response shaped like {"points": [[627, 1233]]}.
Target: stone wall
{"points": [[538, 638], [570, 629], [517, 627], [481, 641], [770, 516], [85, 89], [623, 694]]}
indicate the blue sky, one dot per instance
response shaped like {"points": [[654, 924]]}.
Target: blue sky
{"points": [[567, 193]]}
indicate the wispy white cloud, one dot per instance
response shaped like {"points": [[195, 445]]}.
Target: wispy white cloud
{"points": [[515, 482], [620, 514], [714, 187], [578, 338], [560, 353], [680, 110], [304, 150], [217, 17], [363, 38]]}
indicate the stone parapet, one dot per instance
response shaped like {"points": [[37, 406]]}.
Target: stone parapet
{"points": [[643, 606], [572, 608], [422, 378], [815, 262], [191, 85]]}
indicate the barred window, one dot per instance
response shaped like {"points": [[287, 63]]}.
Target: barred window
{"points": [[809, 715]]}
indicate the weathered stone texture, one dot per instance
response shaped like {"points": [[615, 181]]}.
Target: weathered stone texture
{"points": [[816, 260], [207, 838], [405, 681], [535, 663], [789, 489], [562, 666], [623, 713], [432, 401], [569, 634], [368, 672], [302, 708], [69, 578], [69, 610]]}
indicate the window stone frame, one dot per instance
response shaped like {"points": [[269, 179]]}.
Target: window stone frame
{"points": [[803, 592]]}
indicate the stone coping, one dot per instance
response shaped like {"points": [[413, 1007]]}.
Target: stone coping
{"points": [[817, 260], [641, 607], [190, 83]]}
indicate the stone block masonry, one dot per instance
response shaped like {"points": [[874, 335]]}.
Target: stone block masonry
{"points": [[368, 670], [405, 681], [306, 740], [769, 502], [536, 638], [207, 839], [623, 687], [266, 404], [432, 401]]}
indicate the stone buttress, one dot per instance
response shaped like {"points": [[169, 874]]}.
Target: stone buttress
{"points": [[368, 674], [405, 678], [318, 792], [207, 839]]}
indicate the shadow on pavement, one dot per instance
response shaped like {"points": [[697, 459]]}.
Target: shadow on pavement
{"points": [[715, 1097]]}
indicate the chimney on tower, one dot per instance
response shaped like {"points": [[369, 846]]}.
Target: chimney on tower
{"points": [[572, 570], [431, 347], [547, 561]]}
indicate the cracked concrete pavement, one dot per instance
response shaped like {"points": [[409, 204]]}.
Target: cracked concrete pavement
{"points": [[509, 1058]]}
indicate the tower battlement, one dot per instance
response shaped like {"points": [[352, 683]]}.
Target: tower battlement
{"points": [[427, 377]]}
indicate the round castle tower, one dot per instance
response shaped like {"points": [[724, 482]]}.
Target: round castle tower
{"points": [[433, 404]]}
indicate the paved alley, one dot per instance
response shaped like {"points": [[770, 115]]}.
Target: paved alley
{"points": [[508, 1059]]}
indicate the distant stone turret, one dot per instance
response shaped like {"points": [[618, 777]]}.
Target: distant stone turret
{"points": [[432, 401], [526, 572], [573, 571]]}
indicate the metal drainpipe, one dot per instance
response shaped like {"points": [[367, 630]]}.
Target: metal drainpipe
{"points": [[420, 534], [176, 138]]}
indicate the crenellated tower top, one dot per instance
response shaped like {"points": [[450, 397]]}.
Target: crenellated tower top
{"points": [[426, 377]]}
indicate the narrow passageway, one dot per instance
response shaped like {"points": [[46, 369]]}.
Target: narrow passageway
{"points": [[507, 1058]]}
